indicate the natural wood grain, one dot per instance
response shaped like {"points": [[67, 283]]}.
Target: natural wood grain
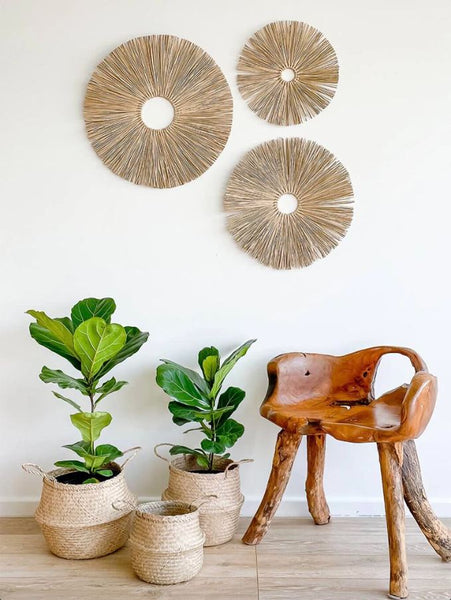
{"points": [[316, 498], [284, 454], [294, 588], [344, 561], [437, 534], [316, 394], [390, 458], [319, 393]]}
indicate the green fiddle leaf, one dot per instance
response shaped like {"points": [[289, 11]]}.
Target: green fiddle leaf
{"points": [[69, 401], [178, 385], [105, 472], [57, 329], [192, 375], [66, 322], [90, 425], [62, 380], [202, 461], [92, 307], [185, 450], [229, 433], [72, 464], [208, 360], [109, 451], [46, 338], [109, 387], [211, 447], [228, 365], [96, 342], [182, 413], [135, 339], [91, 480], [81, 448], [92, 462], [232, 397], [217, 413]]}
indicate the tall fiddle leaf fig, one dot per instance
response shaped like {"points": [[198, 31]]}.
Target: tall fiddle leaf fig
{"points": [[93, 345]]}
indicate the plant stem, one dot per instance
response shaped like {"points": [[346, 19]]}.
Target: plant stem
{"points": [[211, 456], [93, 407]]}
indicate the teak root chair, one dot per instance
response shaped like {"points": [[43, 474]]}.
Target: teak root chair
{"points": [[315, 395]]}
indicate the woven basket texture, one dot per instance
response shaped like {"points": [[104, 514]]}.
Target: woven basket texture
{"points": [[78, 521], [218, 516], [166, 542]]}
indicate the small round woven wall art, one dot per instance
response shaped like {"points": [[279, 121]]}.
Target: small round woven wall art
{"points": [[287, 72], [168, 68], [288, 202]]}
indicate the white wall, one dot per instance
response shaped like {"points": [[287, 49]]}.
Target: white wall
{"points": [[71, 229]]}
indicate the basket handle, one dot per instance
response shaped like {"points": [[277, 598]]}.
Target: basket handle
{"points": [[134, 451], [122, 505], [236, 462], [158, 454], [197, 503], [34, 469]]}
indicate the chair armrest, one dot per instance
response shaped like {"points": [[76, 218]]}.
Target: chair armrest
{"points": [[418, 405]]}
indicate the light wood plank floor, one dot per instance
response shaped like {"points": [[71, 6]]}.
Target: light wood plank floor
{"points": [[345, 560]]}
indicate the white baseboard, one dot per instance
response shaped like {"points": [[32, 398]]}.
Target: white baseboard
{"points": [[289, 507]]}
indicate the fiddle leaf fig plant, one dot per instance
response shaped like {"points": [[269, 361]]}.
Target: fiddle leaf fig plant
{"points": [[93, 345], [197, 399]]}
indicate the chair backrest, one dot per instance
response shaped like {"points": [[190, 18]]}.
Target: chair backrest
{"points": [[296, 376]]}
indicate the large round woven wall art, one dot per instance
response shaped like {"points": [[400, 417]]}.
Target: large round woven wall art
{"points": [[288, 202], [287, 72], [169, 68]]}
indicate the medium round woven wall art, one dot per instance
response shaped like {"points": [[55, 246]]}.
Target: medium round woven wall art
{"points": [[316, 185], [158, 66], [287, 72]]}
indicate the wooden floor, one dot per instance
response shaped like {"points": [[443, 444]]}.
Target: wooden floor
{"points": [[345, 560]]}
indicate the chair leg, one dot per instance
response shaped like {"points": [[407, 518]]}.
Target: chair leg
{"points": [[285, 452], [437, 534], [390, 458], [316, 499]]}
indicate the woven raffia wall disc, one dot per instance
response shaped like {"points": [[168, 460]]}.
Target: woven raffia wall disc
{"points": [[323, 191], [158, 66], [294, 46]]}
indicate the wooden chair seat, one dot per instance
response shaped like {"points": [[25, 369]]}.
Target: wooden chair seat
{"points": [[398, 415], [319, 394]]}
